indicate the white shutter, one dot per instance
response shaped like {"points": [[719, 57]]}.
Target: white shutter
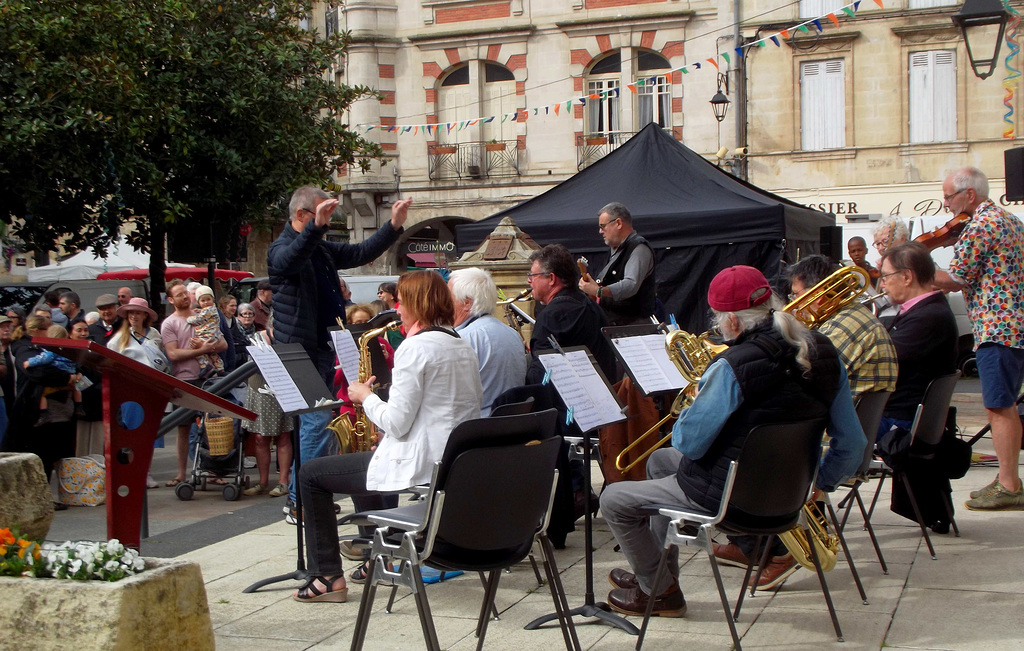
{"points": [[932, 96], [818, 8], [927, 4], [822, 105], [454, 104], [499, 99]]}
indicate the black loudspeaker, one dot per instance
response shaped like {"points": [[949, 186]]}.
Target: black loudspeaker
{"points": [[831, 239], [1013, 165], [191, 241]]}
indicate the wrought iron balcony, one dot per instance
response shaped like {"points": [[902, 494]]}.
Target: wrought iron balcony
{"points": [[592, 147], [473, 160]]}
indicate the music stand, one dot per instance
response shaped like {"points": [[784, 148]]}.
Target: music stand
{"points": [[129, 433], [591, 607], [318, 397]]}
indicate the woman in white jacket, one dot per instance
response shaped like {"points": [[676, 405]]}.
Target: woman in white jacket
{"points": [[435, 385], [137, 338]]}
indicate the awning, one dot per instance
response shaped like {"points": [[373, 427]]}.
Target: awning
{"points": [[176, 273]]}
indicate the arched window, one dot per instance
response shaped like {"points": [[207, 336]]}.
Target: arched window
{"points": [[603, 114], [654, 101], [472, 90]]}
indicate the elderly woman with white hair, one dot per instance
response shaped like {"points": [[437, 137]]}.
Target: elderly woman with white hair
{"points": [[499, 349]]}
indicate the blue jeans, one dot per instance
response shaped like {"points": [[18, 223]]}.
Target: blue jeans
{"points": [[315, 441]]}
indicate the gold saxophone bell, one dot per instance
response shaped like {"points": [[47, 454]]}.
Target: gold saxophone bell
{"points": [[691, 354], [358, 434], [515, 317], [821, 302], [826, 543]]}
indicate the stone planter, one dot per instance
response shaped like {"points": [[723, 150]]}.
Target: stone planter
{"points": [[26, 502], [445, 149], [495, 146], [163, 607], [594, 141]]}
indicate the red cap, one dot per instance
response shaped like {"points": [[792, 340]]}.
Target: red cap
{"points": [[738, 288]]}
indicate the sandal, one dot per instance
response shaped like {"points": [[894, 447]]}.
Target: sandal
{"points": [[313, 591], [218, 481], [360, 573], [171, 483]]}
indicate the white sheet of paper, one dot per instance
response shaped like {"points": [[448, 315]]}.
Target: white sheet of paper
{"points": [[348, 353], [277, 378], [582, 389], [648, 362]]}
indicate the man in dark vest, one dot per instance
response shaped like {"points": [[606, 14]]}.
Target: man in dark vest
{"points": [[774, 371], [625, 287]]}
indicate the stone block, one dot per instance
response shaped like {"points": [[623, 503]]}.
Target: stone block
{"points": [[163, 607], [26, 502]]}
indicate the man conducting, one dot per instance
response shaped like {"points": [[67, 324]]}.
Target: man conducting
{"points": [[774, 371], [499, 349], [988, 265], [625, 287], [307, 296]]}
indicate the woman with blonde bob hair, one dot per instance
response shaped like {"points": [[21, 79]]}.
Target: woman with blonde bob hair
{"points": [[435, 385]]}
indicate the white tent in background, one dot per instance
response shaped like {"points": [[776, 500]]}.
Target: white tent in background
{"points": [[86, 266]]}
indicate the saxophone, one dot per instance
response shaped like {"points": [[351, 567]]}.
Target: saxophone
{"points": [[359, 434]]}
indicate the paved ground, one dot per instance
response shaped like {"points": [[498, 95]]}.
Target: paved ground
{"points": [[968, 598]]}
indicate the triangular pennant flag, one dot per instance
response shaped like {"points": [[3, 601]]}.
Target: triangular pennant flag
{"points": [[725, 55], [653, 81], [568, 105], [593, 96], [616, 92], [631, 87], [503, 118], [524, 115], [775, 39], [535, 111], [430, 129], [696, 66], [714, 63], [583, 101], [856, 6], [391, 129], [489, 120], [370, 128], [785, 34], [739, 53], [817, 24], [557, 106], [547, 110], [415, 130], [449, 126], [761, 43], [832, 17], [685, 71], [879, 3], [803, 28], [849, 12], [641, 82]]}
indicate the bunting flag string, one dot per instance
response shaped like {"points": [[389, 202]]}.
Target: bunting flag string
{"points": [[641, 85]]}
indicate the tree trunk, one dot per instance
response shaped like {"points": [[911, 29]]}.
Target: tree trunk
{"points": [[157, 264]]}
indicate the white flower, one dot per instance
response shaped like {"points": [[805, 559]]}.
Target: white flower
{"points": [[75, 565], [138, 564]]}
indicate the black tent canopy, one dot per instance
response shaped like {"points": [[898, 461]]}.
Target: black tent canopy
{"points": [[697, 218]]}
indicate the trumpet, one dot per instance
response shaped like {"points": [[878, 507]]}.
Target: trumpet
{"points": [[359, 434], [821, 302], [691, 354]]}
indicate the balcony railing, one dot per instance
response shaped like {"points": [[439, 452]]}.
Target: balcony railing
{"points": [[473, 160], [591, 148]]}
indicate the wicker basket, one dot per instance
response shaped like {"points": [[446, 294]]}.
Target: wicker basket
{"points": [[220, 435]]}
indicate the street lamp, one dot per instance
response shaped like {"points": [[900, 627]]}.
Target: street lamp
{"points": [[977, 20], [720, 103]]}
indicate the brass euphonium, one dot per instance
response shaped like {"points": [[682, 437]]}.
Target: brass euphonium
{"points": [[359, 434], [691, 354], [821, 302], [826, 543]]}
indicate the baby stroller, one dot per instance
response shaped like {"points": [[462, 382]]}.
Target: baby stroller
{"points": [[218, 455]]}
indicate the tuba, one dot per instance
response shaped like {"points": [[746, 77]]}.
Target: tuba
{"points": [[691, 354], [359, 434], [825, 542]]}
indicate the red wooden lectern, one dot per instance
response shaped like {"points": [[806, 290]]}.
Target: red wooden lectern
{"points": [[129, 451]]}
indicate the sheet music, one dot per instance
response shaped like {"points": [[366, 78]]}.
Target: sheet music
{"points": [[648, 362], [582, 388], [278, 378], [348, 354]]}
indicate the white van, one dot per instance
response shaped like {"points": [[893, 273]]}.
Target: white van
{"points": [[364, 288]]}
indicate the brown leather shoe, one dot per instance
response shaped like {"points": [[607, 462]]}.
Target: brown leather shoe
{"points": [[633, 601], [622, 579], [777, 571], [730, 555]]}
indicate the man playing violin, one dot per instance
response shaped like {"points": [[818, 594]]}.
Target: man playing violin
{"points": [[988, 265]]}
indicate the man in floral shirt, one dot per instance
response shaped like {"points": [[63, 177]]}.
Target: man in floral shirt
{"points": [[988, 265]]}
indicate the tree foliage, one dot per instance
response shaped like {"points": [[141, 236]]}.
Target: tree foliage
{"points": [[157, 111]]}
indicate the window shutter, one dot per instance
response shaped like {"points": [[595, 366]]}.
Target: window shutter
{"points": [[932, 96], [822, 105]]}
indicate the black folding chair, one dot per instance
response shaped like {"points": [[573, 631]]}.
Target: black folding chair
{"points": [[470, 520], [869, 411], [766, 490], [513, 408], [925, 435]]}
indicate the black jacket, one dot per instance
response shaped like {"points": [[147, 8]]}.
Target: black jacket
{"points": [[925, 340], [574, 320]]}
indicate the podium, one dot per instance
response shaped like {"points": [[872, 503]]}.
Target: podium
{"points": [[134, 399]]}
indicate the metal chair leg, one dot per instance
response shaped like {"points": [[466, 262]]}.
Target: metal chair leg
{"points": [[494, 608], [536, 572], [947, 501], [824, 588], [871, 533], [917, 514], [423, 609], [572, 642], [724, 597], [846, 551], [757, 577], [365, 608], [662, 570], [492, 590], [878, 491]]}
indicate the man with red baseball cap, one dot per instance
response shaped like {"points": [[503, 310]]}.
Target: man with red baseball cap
{"points": [[774, 371]]}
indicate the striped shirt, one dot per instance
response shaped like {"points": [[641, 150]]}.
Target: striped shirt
{"points": [[865, 348]]}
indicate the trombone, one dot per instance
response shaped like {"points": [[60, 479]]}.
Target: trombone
{"points": [[821, 302]]}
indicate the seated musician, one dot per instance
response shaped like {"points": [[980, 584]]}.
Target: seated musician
{"points": [[774, 371], [924, 330], [869, 357], [435, 385]]}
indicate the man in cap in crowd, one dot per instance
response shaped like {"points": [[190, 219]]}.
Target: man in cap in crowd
{"points": [[109, 322]]}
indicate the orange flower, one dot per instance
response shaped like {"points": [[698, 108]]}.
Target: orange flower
{"points": [[6, 537]]}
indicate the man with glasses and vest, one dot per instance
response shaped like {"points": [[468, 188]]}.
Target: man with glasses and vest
{"points": [[625, 286]]}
